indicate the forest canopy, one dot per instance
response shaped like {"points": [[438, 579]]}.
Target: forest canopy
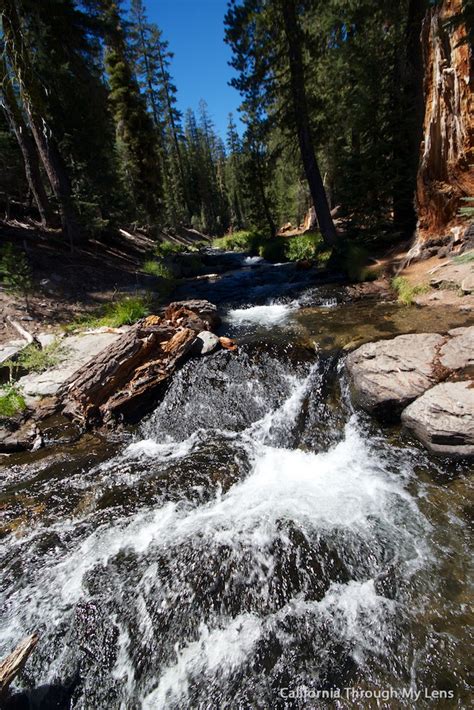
{"points": [[331, 104]]}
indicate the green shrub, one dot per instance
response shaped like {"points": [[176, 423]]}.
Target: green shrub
{"points": [[323, 257], [167, 248], [303, 247], [11, 400], [469, 210], [406, 291], [243, 240], [16, 272], [125, 312]]}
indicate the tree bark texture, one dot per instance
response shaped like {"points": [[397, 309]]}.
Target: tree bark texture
{"points": [[445, 173], [125, 380]]}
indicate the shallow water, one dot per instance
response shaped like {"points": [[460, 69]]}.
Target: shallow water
{"points": [[254, 537]]}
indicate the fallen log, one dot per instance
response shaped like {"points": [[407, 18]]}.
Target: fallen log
{"points": [[14, 663], [25, 334], [125, 380]]}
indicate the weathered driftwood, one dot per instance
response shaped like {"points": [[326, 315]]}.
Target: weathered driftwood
{"points": [[125, 380], [13, 664], [23, 332]]}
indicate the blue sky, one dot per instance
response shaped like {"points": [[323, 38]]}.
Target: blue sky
{"points": [[195, 32]]}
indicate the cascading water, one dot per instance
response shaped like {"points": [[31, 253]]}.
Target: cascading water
{"points": [[254, 538]]}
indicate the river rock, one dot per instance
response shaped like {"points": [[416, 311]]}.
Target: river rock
{"points": [[19, 435], [443, 418], [458, 352], [10, 349], [389, 374], [78, 350], [206, 343], [456, 276]]}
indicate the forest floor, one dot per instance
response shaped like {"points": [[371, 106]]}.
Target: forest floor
{"points": [[73, 285], [69, 285]]}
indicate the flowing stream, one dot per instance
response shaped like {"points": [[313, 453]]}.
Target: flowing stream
{"points": [[252, 544]]}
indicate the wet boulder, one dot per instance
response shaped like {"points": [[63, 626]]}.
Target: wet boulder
{"points": [[19, 434], [389, 374], [206, 343], [443, 418]]}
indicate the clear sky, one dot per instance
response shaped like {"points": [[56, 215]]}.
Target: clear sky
{"points": [[195, 32]]}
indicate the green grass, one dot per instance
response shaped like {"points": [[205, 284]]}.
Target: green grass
{"points": [[464, 258], [405, 291], [243, 240], [126, 311], [299, 248], [11, 400], [304, 246], [35, 359], [168, 248], [157, 268]]}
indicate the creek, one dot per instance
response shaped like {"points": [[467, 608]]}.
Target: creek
{"points": [[253, 536]]}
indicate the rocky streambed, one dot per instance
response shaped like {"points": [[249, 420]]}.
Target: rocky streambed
{"points": [[259, 531], [427, 380]]}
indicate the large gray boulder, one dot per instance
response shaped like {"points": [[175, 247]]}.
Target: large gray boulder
{"points": [[389, 374], [443, 418], [458, 352]]}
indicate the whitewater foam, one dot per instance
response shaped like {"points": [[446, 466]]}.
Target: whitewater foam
{"points": [[271, 314]]}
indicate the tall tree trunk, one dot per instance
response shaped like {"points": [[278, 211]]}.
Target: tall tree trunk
{"points": [[445, 172], [26, 144], [408, 131], [30, 91], [300, 107]]}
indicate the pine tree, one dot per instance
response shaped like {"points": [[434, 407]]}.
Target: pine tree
{"points": [[136, 138], [234, 176], [19, 56], [26, 143], [268, 45], [152, 65]]}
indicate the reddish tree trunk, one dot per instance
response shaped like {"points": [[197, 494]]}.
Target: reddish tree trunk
{"points": [[445, 173]]}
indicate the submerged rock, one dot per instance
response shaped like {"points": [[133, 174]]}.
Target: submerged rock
{"points": [[443, 418], [19, 434], [389, 374]]}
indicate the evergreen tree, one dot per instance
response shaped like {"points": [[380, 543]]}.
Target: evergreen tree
{"points": [[26, 144], [234, 176], [152, 64], [20, 57], [268, 45], [136, 139]]}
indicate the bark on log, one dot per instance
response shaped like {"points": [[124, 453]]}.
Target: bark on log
{"points": [[14, 663], [125, 380], [445, 171]]}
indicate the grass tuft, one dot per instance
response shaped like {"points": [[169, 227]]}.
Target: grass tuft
{"points": [[405, 291], [126, 311], [35, 359], [12, 401]]}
